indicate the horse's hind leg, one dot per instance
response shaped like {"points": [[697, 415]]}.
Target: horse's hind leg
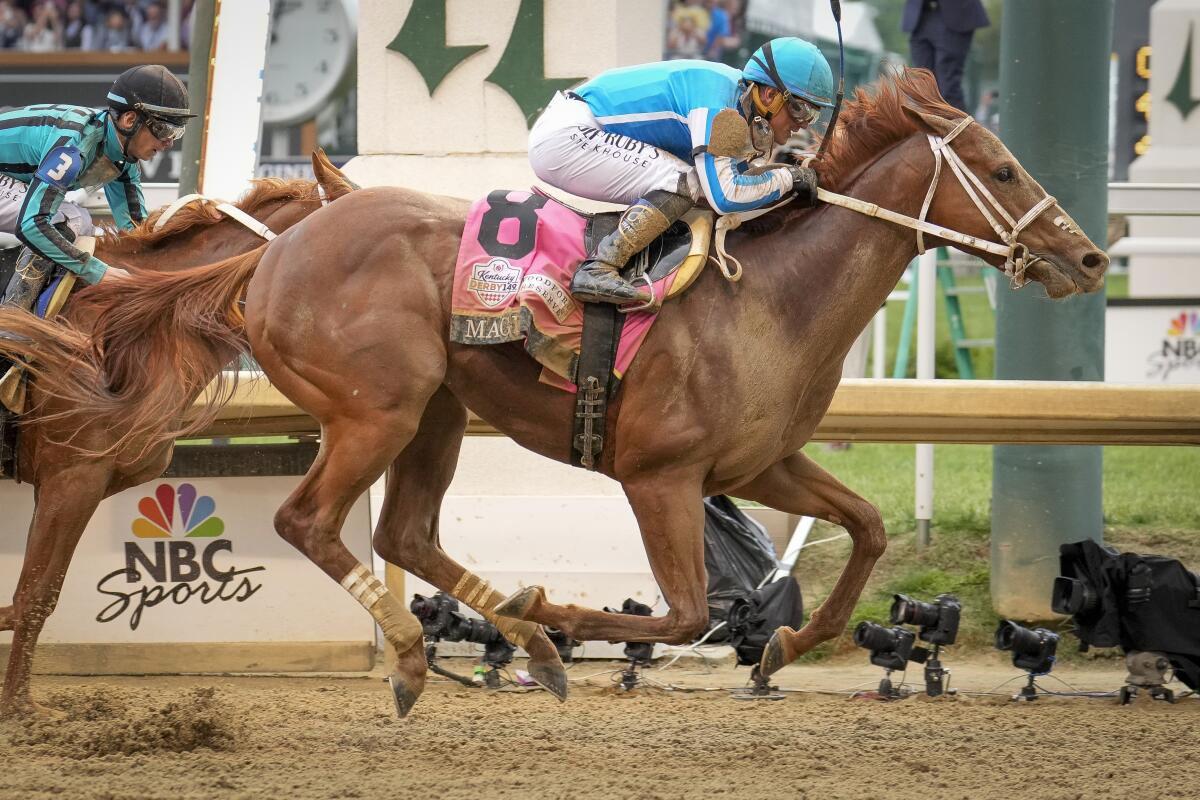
{"points": [[670, 514], [354, 452], [407, 533], [798, 485], [64, 502]]}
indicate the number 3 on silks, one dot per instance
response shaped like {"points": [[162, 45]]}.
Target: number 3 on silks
{"points": [[60, 167]]}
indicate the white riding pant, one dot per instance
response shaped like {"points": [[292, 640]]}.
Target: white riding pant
{"points": [[12, 197], [569, 150]]}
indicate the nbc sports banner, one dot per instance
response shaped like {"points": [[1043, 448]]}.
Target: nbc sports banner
{"points": [[1152, 341], [198, 561]]}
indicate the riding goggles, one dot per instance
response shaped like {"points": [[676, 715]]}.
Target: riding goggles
{"points": [[801, 111], [162, 130]]}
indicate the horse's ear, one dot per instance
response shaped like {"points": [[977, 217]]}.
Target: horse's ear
{"points": [[939, 126], [330, 177]]}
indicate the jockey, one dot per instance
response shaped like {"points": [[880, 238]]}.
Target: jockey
{"points": [[659, 137], [48, 150]]}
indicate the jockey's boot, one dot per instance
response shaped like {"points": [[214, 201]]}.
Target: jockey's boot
{"points": [[598, 280], [28, 280]]}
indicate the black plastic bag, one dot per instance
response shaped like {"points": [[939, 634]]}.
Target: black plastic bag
{"points": [[738, 555]]}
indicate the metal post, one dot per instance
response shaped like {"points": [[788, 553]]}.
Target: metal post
{"points": [[201, 54], [879, 344], [926, 334], [900, 369], [1054, 118]]}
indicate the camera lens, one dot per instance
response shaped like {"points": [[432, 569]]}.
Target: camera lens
{"points": [[907, 611], [1071, 596], [1019, 639], [422, 607], [872, 636]]}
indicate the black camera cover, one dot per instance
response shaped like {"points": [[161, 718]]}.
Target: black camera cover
{"points": [[1144, 602]]}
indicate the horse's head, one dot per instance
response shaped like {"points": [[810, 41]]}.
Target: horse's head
{"points": [[979, 189]]}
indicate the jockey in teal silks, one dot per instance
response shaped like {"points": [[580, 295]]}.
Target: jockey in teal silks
{"points": [[660, 137], [48, 150]]}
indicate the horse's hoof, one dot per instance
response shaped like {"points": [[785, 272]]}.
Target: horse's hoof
{"points": [[519, 605], [402, 694], [408, 681], [777, 654], [551, 677]]}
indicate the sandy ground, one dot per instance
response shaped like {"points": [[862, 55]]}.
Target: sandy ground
{"points": [[337, 737]]}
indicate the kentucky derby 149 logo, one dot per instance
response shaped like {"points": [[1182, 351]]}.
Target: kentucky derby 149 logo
{"points": [[1180, 348], [173, 567], [495, 282]]}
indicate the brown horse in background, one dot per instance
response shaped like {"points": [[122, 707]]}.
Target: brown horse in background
{"points": [[348, 314], [68, 488]]}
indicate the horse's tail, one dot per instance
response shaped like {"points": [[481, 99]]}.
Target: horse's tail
{"points": [[156, 341]]}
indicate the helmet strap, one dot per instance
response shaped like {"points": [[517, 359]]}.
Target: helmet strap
{"points": [[129, 132], [767, 110]]}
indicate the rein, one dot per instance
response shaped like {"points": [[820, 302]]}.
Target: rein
{"points": [[228, 209], [1017, 256]]}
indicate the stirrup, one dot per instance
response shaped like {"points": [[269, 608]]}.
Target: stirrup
{"points": [[649, 305]]}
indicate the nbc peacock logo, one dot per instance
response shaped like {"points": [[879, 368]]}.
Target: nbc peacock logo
{"points": [[1187, 323], [1179, 353], [179, 553], [170, 509]]}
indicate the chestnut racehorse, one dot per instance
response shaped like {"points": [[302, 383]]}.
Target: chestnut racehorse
{"points": [[348, 314], [67, 489]]}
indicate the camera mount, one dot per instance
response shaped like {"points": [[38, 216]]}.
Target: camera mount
{"points": [[1147, 671]]}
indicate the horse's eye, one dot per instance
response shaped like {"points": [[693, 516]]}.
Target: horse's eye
{"points": [[1004, 174]]}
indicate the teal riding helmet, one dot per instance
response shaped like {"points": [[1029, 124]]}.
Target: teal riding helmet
{"points": [[795, 67]]}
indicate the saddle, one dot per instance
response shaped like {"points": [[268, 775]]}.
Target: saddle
{"points": [[683, 248], [516, 259]]}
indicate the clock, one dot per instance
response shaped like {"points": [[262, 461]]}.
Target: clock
{"points": [[311, 46]]}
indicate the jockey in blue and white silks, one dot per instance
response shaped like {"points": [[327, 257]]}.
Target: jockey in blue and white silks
{"points": [[661, 137], [49, 150]]}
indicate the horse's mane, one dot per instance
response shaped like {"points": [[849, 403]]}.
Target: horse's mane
{"points": [[263, 191], [874, 120]]}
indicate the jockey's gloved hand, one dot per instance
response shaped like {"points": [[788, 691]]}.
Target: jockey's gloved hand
{"points": [[804, 184]]}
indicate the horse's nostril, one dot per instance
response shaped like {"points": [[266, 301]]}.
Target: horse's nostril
{"points": [[1095, 261]]}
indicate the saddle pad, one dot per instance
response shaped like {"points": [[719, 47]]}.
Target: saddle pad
{"points": [[518, 252]]}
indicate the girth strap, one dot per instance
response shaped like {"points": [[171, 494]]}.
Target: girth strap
{"points": [[602, 324]]}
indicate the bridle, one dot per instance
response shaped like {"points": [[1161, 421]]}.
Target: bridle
{"points": [[1017, 256]]}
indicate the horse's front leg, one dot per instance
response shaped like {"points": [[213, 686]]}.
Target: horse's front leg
{"points": [[670, 513], [65, 502], [407, 533], [798, 485]]}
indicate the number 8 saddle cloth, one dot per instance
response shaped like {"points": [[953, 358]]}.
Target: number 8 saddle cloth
{"points": [[518, 253]]}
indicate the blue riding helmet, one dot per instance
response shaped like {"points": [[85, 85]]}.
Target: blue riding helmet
{"points": [[793, 67]]}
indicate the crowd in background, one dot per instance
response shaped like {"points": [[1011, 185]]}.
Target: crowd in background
{"points": [[704, 28], [44, 26]]}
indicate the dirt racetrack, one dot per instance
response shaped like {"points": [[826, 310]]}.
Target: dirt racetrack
{"points": [[207, 737]]}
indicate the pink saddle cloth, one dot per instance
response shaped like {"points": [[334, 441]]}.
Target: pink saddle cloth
{"points": [[512, 282]]}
